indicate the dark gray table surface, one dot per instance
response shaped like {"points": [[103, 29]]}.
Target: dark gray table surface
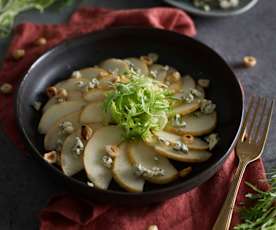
{"points": [[26, 187]]}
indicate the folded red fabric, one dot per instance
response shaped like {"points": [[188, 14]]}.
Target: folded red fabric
{"points": [[194, 210]]}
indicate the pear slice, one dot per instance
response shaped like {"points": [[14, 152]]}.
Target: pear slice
{"points": [[71, 163], [196, 125], [53, 136], [72, 96], [92, 72], [57, 111], [138, 65], [115, 65], [93, 112], [95, 95], [196, 144], [142, 154], [193, 156], [187, 83], [72, 84], [187, 108], [123, 172], [95, 150], [158, 71]]}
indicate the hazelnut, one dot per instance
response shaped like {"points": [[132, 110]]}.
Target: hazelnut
{"points": [[153, 227], [6, 88], [147, 60], [249, 61], [203, 83], [62, 93], [18, 54], [52, 91], [112, 150], [86, 132], [41, 41], [184, 172], [51, 157], [174, 77], [187, 138]]}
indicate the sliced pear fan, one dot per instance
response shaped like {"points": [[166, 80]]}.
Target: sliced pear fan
{"points": [[196, 144], [140, 153], [70, 162], [72, 96], [92, 72], [138, 65], [57, 111], [123, 172], [193, 156], [93, 112], [196, 125], [72, 84], [95, 150], [115, 65], [187, 108], [95, 95]]}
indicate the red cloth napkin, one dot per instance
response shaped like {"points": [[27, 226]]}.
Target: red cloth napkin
{"points": [[194, 210]]}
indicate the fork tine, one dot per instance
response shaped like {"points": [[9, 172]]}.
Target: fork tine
{"points": [[243, 129], [260, 121], [251, 124], [266, 126]]}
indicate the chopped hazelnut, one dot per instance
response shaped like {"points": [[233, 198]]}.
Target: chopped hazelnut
{"points": [[204, 83], [112, 150], [62, 93], [174, 77], [184, 172], [86, 132], [18, 54], [153, 227], [147, 60], [52, 91], [41, 41], [187, 138], [51, 157], [6, 88], [249, 61]]}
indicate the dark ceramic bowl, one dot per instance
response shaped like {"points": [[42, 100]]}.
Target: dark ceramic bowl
{"points": [[187, 5], [185, 54]]}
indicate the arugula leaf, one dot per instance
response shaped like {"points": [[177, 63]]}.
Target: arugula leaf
{"points": [[262, 215], [139, 106], [9, 9]]}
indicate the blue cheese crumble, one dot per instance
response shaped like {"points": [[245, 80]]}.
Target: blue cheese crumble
{"points": [[107, 161], [181, 147], [212, 140], [78, 147], [143, 171]]}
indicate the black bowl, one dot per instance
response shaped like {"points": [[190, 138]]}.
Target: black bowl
{"points": [[185, 54]]}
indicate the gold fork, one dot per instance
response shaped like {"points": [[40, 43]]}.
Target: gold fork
{"points": [[249, 148]]}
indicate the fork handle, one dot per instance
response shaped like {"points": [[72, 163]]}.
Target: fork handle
{"points": [[224, 219]]}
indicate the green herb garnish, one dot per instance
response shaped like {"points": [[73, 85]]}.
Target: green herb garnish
{"points": [[262, 215], [139, 106], [9, 9]]}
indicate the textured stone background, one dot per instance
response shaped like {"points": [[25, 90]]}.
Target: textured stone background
{"points": [[26, 187]]}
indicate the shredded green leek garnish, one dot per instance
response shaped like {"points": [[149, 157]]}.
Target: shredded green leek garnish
{"points": [[262, 215], [140, 106]]}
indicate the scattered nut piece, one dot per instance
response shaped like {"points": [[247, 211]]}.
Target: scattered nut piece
{"points": [[86, 132], [147, 60], [249, 61], [204, 83], [41, 41], [62, 93], [184, 172], [187, 138], [76, 74], [174, 77], [112, 150], [37, 105], [6, 88], [51, 157], [18, 54], [153, 227], [51, 91]]}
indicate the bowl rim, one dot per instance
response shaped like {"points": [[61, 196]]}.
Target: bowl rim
{"points": [[169, 188]]}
